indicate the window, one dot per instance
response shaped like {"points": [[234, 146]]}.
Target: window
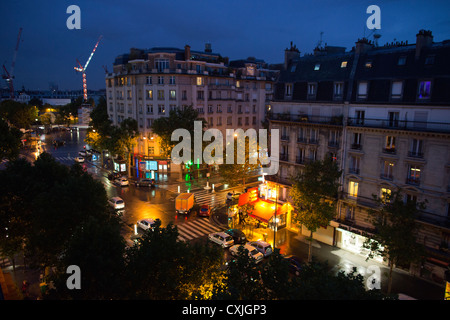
{"points": [[390, 144], [314, 136], [229, 121], [413, 175], [385, 195], [344, 64], [149, 109], [429, 59], [368, 64], [199, 81], [387, 170], [172, 80], [200, 95], [184, 95], [354, 164], [160, 80], [317, 67], [161, 109], [362, 90], [360, 114], [396, 89], [293, 68], [424, 89], [288, 90], [312, 89], [401, 61], [149, 80], [161, 64], [219, 121], [149, 123], [149, 94], [356, 141], [333, 140], [393, 118], [353, 189], [172, 95], [160, 94], [210, 109], [338, 89], [416, 148], [301, 155]]}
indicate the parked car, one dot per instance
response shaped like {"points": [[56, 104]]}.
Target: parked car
{"points": [[262, 246], [122, 181], [114, 175], [204, 211], [238, 235], [252, 252], [117, 203], [222, 238], [145, 183], [146, 224], [82, 153], [295, 264], [79, 159]]}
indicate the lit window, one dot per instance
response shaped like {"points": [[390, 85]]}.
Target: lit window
{"points": [[199, 81], [317, 66], [353, 189], [424, 89], [344, 64], [385, 194], [368, 64]]}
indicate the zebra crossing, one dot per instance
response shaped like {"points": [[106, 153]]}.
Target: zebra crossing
{"points": [[195, 229]]}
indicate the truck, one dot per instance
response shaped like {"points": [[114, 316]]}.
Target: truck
{"points": [[184, 203]]}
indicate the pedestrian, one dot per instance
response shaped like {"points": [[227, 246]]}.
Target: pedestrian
{"points": [[25, 286]]}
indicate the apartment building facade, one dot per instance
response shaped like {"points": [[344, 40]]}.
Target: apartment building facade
{"points": [[147, 84], [383, 113]]}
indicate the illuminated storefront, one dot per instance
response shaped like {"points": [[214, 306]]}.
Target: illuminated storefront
{"points": [[150, 169]]}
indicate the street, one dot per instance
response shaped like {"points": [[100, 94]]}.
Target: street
{"points": [[159, 203]]}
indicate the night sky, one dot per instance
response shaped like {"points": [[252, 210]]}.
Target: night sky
{"points": [[236, 29]]}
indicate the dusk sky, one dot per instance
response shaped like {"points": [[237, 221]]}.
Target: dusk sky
{"points": [[236, 29]]}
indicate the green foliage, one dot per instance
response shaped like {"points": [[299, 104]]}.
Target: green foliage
{"points": [[182, 118], [395, 237], [314, 193], [19, 115], [10, 141]]}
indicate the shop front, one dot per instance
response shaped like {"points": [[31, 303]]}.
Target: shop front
{"points": [[146, 168], [264, 217]]}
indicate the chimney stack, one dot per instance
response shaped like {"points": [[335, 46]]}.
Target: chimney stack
{"points": [[187, 52], [424, 39], [363, 45], [208, 47], [290, 54]]}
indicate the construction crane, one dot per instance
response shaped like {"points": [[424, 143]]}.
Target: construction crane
{"points": [[82, 69], [9, 76]]}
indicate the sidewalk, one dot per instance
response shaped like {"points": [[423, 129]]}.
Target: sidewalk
{"points": [[289, 242]]}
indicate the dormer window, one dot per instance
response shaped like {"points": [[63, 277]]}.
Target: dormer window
{"points": [[317, 67], [368, 64], [344, 64], [429, 60], [401, 61]]}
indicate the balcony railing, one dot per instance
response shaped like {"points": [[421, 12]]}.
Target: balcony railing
{"points": [[389, 150], [356, 146], [414, 154], [413, 181], [338, 120], [386, 176], [353, 170], [400, 124]]}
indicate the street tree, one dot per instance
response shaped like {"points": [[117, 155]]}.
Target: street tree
{"points": [[10, 141], [17, 114], [314, 192], [245, 162], [395, 236], [179, 118]]}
